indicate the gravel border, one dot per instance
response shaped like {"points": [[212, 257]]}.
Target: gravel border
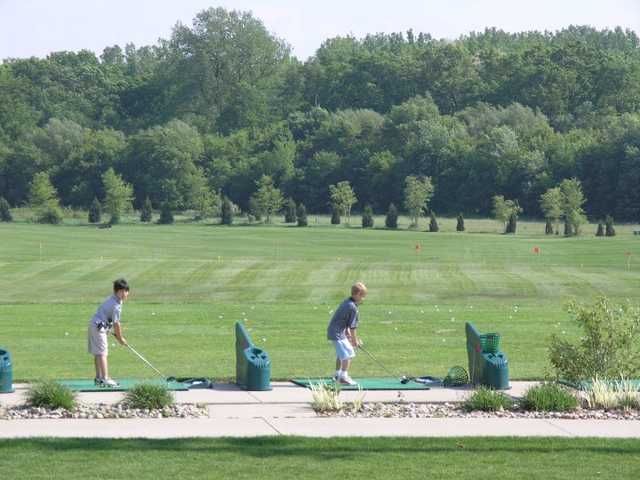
{"points": [[455, 410], [103, 411]]}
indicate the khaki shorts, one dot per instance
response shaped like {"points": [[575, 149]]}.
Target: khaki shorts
{"points": [[97, 343]]}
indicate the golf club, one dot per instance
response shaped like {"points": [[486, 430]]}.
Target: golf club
{"points": [[403, 378], [148, 363]]}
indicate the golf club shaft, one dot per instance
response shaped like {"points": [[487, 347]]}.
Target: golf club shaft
{"points": [[146, 361], [379, 363]]}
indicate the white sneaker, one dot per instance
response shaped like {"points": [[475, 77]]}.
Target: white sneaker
{"points": [[347, 380], [110, 383]]}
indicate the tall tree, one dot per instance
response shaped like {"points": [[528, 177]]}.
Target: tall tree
{"points": [[551, 205], [573, 199], [268, 199], [118, 195], [343, 198], [43, 200], [417, 193]]}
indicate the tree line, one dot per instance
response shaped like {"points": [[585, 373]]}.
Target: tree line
{"points": [[222, 106]]}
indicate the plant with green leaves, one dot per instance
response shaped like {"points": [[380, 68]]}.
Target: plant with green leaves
{"points": [[146, 212], [433, 222], [325, 397], [301, 214], [343, 198], [487, 400], [290, 214], [549, 397], [226, 212], [206, 203], [608, 347], [118, 195], [610, 230], [5, 212], [335, 215], [95, 211], [367, 217], [417, 193], [551, 206], [166, 214], [43, 199], [268, 199], [50, 394], [391, 220], [572, 201], [506, 211], [148, 396], [600, 230]]}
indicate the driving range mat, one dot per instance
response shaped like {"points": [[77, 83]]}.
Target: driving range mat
{"points": [[125, 384]]}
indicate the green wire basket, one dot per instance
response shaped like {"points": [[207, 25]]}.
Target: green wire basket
{"points": [[490, 342], [456, 376]]}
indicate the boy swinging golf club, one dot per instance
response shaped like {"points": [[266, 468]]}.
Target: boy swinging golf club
{"points": [[342, 332], [106, 317]]}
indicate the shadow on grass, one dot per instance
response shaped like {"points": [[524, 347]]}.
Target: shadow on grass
{"points": [[337, 448]]}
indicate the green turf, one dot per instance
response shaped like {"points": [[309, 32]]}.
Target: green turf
{"points": [[192, 282], [309, 458], [124, 385], [364, 384]]}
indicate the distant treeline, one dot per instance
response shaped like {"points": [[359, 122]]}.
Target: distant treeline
{"points": [[223, 102]]}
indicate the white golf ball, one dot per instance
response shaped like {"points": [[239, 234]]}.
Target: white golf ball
{"points": [[66, 334]]}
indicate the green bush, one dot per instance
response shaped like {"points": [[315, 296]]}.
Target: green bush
{"points": [[488, 400], [391, 221], [50, 214], [301, 213], [609, 344], [50, 394], [548, 228], [433, 223], [95, 211], [610, 231], [5, 212], [227, 212], [148, 396], [335, 216], [290, 215], [367, 217], [146, 213], [549, 397], [166, 215], [600, 230]]}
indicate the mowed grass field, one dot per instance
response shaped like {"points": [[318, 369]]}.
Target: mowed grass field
{"points": [[291, 457], [192, 282]]}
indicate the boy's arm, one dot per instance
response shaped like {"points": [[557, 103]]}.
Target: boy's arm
{"points": [[353, 337], [117, 331]]}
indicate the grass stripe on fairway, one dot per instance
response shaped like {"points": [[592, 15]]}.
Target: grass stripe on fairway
{"points": [[290, 457], [198, 280]]}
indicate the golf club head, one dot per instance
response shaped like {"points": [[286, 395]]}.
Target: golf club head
{"points": [[404, 380], [171, 379]]}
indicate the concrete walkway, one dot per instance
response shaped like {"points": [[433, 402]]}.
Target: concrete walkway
{"points": [[286, 411]]}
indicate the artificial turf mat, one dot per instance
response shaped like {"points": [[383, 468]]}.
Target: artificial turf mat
{"points": [[365, 384], [125, 384]]}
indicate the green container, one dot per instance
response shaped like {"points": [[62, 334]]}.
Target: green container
{"points": [[490, 342], [497, 372], [6, 372], [258, 373]]}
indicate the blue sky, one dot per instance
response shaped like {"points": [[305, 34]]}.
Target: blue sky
{"points": [[38, 27]]}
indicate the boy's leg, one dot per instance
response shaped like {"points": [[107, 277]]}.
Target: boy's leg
{"points": [[102, 366], [345, 364], [96, 362]]}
